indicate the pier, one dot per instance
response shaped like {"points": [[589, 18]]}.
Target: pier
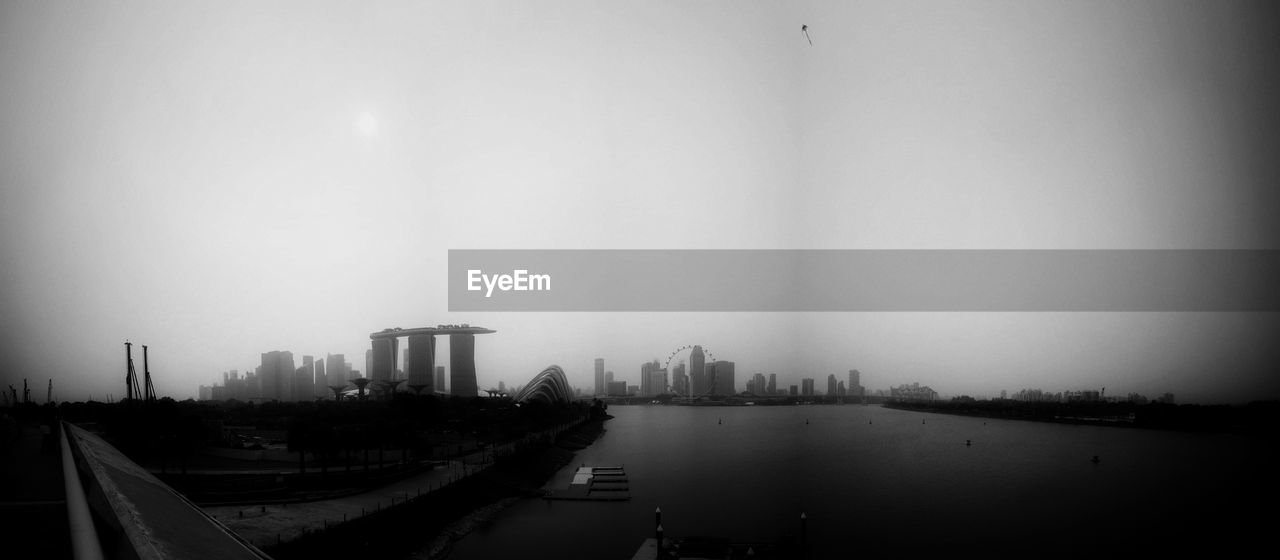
{"points": [[598, 484]]}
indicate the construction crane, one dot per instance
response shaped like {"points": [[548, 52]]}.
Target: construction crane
{"points": [[131, 390], [150, 395]]}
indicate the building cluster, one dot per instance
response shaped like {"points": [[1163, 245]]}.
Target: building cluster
{"points": [[699, 377], [1083, 396], [835, 387], [277, 379], [913, 392], [696, 378]]}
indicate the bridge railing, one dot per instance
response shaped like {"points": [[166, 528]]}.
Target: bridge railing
{"points": [[142, 517]]}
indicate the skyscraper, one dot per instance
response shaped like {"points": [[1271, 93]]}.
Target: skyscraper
{"points": [[382, 359], [806, 387], [697, 372], [336, 370], [724, 380], [773, 384], [758, 384], [303, 379], [462, 365], [655, 379], [420, 362], [831, 385], [855, 384], [277, 375], [679, 380], [320, 381], [600, 388]]}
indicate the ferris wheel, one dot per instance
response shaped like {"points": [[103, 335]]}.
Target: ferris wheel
{"points": [[682, 355]]}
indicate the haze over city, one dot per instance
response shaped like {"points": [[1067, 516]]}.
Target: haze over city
{"points": [[220, 180]]}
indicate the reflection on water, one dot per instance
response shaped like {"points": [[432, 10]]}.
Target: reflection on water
{"points": [[875, 479]]}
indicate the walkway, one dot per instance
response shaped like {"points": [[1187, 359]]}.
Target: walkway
{"points": [[270, 524]]}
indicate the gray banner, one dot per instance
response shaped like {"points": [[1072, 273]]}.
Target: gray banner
{"points": [[864, 280]]}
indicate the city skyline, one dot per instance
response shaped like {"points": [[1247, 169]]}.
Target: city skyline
{"points": [[222, 181]]}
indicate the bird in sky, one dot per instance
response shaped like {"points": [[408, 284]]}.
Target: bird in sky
{"points": [[805, 29]]}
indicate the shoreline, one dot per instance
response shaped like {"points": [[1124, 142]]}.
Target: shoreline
{"points": [[1180, 418], [451, 513], [442, 545]]}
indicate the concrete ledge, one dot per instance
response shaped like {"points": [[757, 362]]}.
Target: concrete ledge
{"points": [[144, 518]]}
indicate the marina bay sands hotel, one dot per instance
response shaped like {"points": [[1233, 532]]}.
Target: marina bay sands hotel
{"points": [[422, 357]]}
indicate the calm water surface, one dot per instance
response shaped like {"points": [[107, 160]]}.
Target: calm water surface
{"points": [[878, 480]]}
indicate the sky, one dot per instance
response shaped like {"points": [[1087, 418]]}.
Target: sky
{"points": [[220, 179]]}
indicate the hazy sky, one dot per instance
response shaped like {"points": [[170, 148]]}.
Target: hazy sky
{"points": [[221, 179]]}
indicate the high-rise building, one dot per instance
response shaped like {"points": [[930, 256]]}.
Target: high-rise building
{"points": [[320, 381], [382, 360], [253, 383], [653, 379], [236, 386], [303, 379], [617, 388], [841, 390], [440, 377], [657, 379], [795, 391], [697, 372], [277, 375], [806, 387], [608, 378], [336, 369], [831, 385], [600, 388], [758, 385], [772, 389], [679, 380], [420, 361], [462, 365], [724, 379], [855, 384]]}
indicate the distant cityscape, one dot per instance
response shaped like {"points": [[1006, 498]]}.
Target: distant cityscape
{"points": [[279, 378]]}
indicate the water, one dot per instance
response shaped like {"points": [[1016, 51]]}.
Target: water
{"points": [[872, 479]]}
